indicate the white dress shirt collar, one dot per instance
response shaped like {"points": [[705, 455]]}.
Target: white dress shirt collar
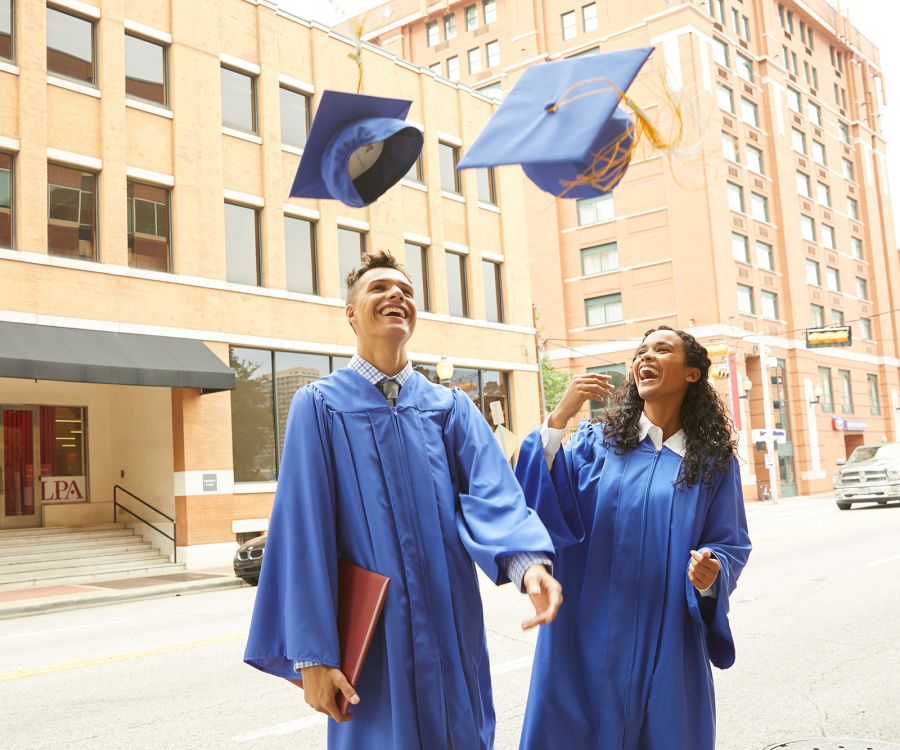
{"points": [[675, 443]]}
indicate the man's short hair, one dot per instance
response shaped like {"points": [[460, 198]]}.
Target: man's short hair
{"points": [[369, 261]]}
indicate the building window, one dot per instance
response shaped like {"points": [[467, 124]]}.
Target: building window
{"points": [[818, 153], [474, 56], [745, 23], [589, 17], [492, 90], [813, 272], [862, 288], [6, 200], [488, 390], [769, 305], [594, 210], [874, 396], [492, 51], [294, 117], [351, 246], [145, 70], [238, 100], [457, 285], [569, 28], [493, 291], [745, 68], [844, 130], [449, 156], [849, 170], [832, 279], [740, 248], [823, 194], [453, 68], [490, 11], [749, 112], [450, 26], [471, 17], [735, 197], [599, 259], [432, 33], [720, 52], [793, 97], [242, 245], [827, 400], [803, 185], [725, 98], [417, 267], [7, 48], [436, 68], [856, 248], [846, 391], [71, 212], [754, 159], [617, 374], [416, 172], [807, 228], [798, 140], [865, 329], [837, 317], [601, 310], [300, 256], [759, 207], [828, 236], [149, 242], [816, 316], [730, 147], [70, 46], [765, 256], [487, 185], [814, 113], [745, 300], [852, 208]]}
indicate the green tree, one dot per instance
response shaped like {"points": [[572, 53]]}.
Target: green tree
{"points": [[252, 426], [555, 383]]}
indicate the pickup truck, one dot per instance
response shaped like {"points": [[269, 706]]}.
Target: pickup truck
{"points": [[871, 474]]}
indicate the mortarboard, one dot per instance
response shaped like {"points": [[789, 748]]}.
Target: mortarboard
{"points": [[562, 122], [358, 147]]}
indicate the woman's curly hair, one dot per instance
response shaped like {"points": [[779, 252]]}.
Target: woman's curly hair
{"points": [[709, 445]]}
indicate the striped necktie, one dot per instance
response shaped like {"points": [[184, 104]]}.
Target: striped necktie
{"points": [[391, 389]]}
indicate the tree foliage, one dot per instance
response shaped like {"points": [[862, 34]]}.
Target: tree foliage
{"points": [[555, 383]]}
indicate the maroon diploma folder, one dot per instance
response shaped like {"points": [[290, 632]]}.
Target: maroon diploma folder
{"points": [[361, 596]]}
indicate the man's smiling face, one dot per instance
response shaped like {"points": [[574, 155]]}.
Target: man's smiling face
{"points": [[382, 305]]}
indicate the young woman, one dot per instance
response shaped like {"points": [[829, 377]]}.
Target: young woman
{"points": [[646, 512]]}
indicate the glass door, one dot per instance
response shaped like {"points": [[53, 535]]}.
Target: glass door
{"points": [[19, 501]]}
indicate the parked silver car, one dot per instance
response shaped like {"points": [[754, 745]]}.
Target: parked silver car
{"points": [[871, 474]]}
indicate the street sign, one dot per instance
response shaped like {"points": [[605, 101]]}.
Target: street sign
{"points": [[759, 436], [770, 460]]}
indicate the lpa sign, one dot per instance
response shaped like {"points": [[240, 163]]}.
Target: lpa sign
{"points": [[63, 489]]}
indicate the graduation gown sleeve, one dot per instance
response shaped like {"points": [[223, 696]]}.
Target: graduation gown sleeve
{"points": [[724, 533], [492, 517], [295, 614]]}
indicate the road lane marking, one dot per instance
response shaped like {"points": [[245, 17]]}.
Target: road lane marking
{"points": [[882, 562], [33, 633], [53, 668], [298, 725]]}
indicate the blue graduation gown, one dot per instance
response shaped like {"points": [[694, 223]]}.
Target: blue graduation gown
{"points": [[416, 493], [625, 666]]}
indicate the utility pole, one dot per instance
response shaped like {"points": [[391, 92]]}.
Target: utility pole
{"points": [[539, 351], [771, 453]]}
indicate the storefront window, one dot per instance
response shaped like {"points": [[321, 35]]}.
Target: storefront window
{"points": [[293, 370], [253, 416]]}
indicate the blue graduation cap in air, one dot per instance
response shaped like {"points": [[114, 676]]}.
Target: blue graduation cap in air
{"points": [[358, 147], [563, 123]]}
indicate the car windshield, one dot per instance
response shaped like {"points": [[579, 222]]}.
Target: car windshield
{"points": [[866, 452]]}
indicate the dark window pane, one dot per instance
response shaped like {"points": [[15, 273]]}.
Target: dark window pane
{"points": [[495, 391], [487, 188], [417, 266], [300, 255], [241, 244], [493, 292], [71, 219], [338, 362], [238, 101], [252, 416], [145, 70], [6, 200], [351, 246], [293, 370], [148, 227], [63, 433], [457, 295], [6, 26], [70, 46], [449, 176], [294, 117]]}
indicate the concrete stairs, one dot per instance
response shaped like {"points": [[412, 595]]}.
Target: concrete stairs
{"points": [[31, 558]]}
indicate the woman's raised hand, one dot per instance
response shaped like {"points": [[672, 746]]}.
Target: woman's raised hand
{"points": [[581, 388]]}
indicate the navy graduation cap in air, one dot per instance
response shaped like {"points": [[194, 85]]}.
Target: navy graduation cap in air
{"points": [[358, 147], [563, 123]]}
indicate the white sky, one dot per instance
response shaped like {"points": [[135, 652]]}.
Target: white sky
{"points": [[878, 20]]}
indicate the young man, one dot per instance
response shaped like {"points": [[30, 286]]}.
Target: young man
{"points": [[405, 478]]}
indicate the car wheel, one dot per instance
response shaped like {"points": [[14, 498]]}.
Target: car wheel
{"points": [[252, 581], [843, 506]]}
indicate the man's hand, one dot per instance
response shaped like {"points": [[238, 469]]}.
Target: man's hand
{"points": [[320, 686], [545, 594], [703, 569], [581, 388]]}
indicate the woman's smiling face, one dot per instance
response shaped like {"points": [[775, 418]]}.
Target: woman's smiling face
{"points": [[660, 369]]}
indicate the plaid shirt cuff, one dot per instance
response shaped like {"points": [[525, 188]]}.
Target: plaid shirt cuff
{"points": [[298, 665], [516, 565]]}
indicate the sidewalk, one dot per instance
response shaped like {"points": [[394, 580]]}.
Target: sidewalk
{"points": [[38, 600]]}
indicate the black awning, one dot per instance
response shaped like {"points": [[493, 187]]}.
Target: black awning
{"points": [[81, 356]]}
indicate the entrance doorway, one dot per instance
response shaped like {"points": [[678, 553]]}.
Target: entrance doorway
{"points": [[19, 447], [851, 443]]}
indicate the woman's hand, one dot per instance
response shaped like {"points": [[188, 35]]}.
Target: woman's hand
{"points": [[703, 569], [581, 388]]}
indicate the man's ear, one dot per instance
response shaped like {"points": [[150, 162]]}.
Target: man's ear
{"points": [[350, 312]]}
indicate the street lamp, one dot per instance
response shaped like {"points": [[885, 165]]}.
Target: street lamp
{"points": [[746, 386], [817, 394], [444, 370]]}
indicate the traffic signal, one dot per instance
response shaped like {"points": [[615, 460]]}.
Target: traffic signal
{"points": [[718, 349], [829, 336]]}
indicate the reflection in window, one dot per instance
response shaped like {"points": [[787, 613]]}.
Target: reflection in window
{"points": [[300, 255], [618, 376], [457, 285], [238, 100], [6, 200], [294, 117], [70, 46], [493, 292], [416, 263], [252, 416], [63, 435], [71, 212], [6, 30], [449, 156], [242, 245], [351, 246], [293, 370], [145, 70], [148, 227], [494, 399]]}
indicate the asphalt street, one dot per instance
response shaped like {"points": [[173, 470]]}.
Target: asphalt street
{"points": [[815, 619]]}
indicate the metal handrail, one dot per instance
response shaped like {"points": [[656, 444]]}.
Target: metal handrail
{"points": [[117, 504]]}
